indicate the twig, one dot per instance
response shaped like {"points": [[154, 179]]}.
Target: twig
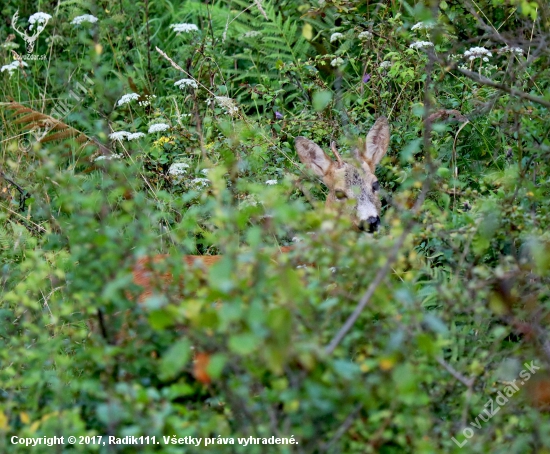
{"points": [[179, 68], [455, 170], [25, 220], [512, 91], [343, 428], [468, 382], [367, 295]]}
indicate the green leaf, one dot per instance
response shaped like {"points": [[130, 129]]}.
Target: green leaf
{"points": [[307, 32], [243, 344], [216, 365], [321, 99], [160, 319], [175, 359]]}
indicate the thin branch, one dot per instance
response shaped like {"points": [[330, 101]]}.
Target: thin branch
{"points": [[343, 428], [367, 295], [512, 91], [468, 382], [365, 299]]}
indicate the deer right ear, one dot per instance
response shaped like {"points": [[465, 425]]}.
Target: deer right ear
{"points": [[313, 156], [378, 140]]}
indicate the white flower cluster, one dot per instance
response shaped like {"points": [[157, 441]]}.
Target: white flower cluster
{"points": [[127, 98], [337, 62], [84, 18], [200, 183], [421, 45], [422, 26], [108, 158], [178, 168], [226, 103], [135, 135], [40, 20], [336, 37], [478, 52], [182, 83], [184, 28], [365, 35], [119, 135], [205, 171], [10, 45], [511, 50], [385, 64], [158, 127], [16, 64], [252, 34], [271, 182], [146, 101]]}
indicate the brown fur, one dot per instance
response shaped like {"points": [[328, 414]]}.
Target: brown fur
{"points": [[345, 181], [353, 180], [145, 276]]}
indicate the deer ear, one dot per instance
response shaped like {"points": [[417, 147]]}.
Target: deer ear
{"points": [[377, 142], [313, 156]]}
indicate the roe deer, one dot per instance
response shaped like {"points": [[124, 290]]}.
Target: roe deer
{"points": [[345, 180], [351, 181]]}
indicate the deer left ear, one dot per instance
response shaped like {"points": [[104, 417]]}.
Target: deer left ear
{"points": [[378, 140], [313, 156]]}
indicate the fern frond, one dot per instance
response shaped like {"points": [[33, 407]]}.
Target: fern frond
{"points": [[52, 128]]}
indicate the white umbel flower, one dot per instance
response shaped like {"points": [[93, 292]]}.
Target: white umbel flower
{"points": [[40, 20], [200, 183], [337, 62], [422, 26], [146, 100], [478, 52], [336, 37], [226, 103], [182, 83], [365, 35], [271, 182], [10, 45], [84, 18], [421, 44], [178, 168], [158, 127], [252, 34], [16, 64], [385, 64], [108, 158], [127, 98], [135, 135], [119, 135], [510, 50], [184, 28]]}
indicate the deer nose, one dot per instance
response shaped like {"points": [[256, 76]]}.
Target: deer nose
{"points": [[371, 224]]}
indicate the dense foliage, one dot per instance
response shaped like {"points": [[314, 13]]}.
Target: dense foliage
{"points": [[451, 295]]}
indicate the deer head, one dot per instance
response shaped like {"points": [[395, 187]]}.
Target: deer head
{"points": [[351, 180]]}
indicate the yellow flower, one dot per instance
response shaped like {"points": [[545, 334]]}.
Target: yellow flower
{"points": [[161, 141]]}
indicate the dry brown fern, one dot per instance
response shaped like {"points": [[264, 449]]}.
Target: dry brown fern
{"points": [[48, 128]]}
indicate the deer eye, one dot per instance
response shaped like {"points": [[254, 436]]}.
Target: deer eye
{"points": [[375, 186], [340, 195]]}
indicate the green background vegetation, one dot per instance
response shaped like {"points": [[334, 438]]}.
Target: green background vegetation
{"points": [[457, 275]]}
